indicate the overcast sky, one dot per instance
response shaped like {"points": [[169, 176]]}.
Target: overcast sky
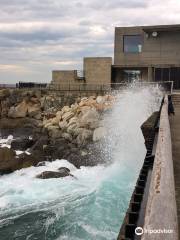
{"points": [[38, 36]]}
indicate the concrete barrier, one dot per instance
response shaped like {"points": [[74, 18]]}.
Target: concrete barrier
{"points": [[161, 212]]}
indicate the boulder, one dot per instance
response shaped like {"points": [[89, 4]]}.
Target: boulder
{"points": [[19, 127], [72, 128], [78, 131], [26, 160], [73, 120], [99, 133], [84, 109], [33, 109], [55, 151], [40, 143], [8, 162], [55, 121], [90, 119], [34, 100], [65, 109], [38, 116], [83, 137], [51, 174], [67, 136], [4, 93], [41, 164], [63, 125], [22, 144], [100, 99], [20, 111], [59, 115], [67, 116], [55, 132], [64, 169]]}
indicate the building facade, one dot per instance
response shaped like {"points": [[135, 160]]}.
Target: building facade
{"points": [[150, 53], [146, 53], [96, 71]]}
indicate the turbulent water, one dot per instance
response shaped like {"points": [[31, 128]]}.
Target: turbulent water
{"points": [[93, 205]]}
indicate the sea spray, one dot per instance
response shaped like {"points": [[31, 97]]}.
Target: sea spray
{"points": [[93, 206]]}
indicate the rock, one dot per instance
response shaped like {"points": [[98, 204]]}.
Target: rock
{"points": [[55, 121], [63, 125], [4, 93], [64, 169], [59, 115], [75, 160], [65, 109], [55, 132], [38, 116], [73, 120], [4, 108], [85, 109], [47, 124], [50, 174], [102, 107], [67, 116], [78, 131], [41, 164], [22, 144], [55, 151], [52, 127], [26, 160], [83, 137], [100, 99], [33, 110], [72, 128], [67, 136], [20, 111], [8, 162], [90, 119], [40, 143], [99, 133]]}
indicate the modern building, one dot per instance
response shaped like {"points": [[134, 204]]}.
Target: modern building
{"points": [[146, 53], [152, 52], [97, 71]]}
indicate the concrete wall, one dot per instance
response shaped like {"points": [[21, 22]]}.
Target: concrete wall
{"points": [[97, 70], [63, 76], [161, 50], [161, 212]]}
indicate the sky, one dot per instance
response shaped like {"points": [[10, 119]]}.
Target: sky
{"points": [[38, 36]]}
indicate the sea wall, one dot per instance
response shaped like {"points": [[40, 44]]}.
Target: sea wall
{"points": [[161, 212]]}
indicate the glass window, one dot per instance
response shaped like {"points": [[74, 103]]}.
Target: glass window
{"points": [[132, 43]]}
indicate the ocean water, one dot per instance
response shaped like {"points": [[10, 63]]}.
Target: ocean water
{"points": [[91, 207]]}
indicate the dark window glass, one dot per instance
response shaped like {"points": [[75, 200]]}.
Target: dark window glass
{"points": [[132, 43]]}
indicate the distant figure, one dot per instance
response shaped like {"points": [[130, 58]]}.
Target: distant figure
{"points": [[170, 106]]}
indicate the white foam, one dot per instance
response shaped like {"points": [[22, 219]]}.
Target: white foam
{"points": [[100, 194]]}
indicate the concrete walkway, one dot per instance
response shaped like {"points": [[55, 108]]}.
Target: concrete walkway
{"points": [[175, 134]]}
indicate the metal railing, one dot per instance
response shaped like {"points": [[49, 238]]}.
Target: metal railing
{"points": [[83, 87]]}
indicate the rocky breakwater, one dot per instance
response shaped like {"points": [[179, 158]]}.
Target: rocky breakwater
{"points": [[45, 131]]}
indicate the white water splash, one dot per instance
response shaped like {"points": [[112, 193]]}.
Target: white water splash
{"points": [[93, 206]]}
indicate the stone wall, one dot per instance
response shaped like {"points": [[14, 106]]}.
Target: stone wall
{"points": [[63, 76], [98, 70]]}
